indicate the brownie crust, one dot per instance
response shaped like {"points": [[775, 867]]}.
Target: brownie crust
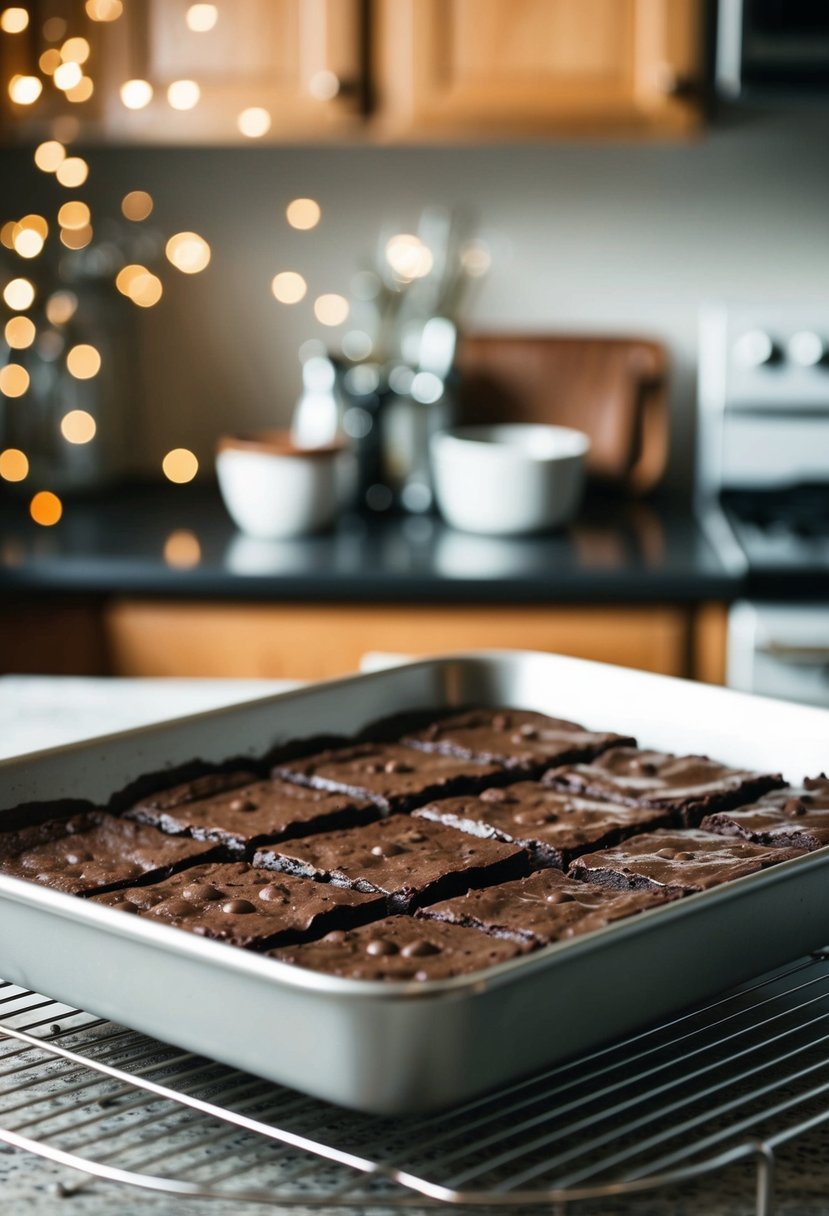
{"points": [[236, 903], [252, 812], [795, 818], [545, 907], [411, 862], [395, 777], [402, 948], [552, 825], [519, 739], [95, 851], [678, 862], [687, 786]]}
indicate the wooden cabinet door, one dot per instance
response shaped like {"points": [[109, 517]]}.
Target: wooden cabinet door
{"points": [[486, 67], [300, 61]]}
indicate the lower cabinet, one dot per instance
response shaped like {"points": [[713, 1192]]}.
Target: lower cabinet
{"points": [[129, 637]]}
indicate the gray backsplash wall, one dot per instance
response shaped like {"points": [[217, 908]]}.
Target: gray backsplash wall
{"points": [[615, 238]]}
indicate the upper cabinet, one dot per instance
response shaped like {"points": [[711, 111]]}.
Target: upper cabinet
{"points": [[406, 70], [485, 68]]}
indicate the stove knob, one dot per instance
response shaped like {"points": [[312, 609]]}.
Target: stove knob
{"points": [[806, 348], [754, 348]]}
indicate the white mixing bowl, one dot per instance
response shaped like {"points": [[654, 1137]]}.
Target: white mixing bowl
{"points": [[505, 480]]}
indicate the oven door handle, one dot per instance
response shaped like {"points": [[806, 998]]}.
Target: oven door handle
{"points": [[798, 655]]}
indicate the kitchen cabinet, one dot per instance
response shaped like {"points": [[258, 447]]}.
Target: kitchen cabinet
{"points": [[385, 69], [153, 637], [491, 67]]}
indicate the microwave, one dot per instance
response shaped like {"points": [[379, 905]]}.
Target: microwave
{"points": [[772, 47]]}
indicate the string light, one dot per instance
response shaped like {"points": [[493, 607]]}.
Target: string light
{"points": [[19, 333], [74, 214], [136, 94], [67, 75], [254, 122], [14, 380], [408, 257], [49, 155], [25, 90], [19, 294], [72, 172], [183, 94], [28, 243], [145, 290], [46, 508], [201, 18], [83, 361], [82, 91], [180, 466], [14, 20], [331, 309], [289, 287], [14, 465], [188, 252], [303, 213], [75, 50], [136, 205], [78, 427]]}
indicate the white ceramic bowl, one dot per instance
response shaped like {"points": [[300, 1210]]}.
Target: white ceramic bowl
{"points": [[273, 489], [505, 480]]}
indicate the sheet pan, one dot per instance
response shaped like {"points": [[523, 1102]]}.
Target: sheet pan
{"points": [[413, 1047]]}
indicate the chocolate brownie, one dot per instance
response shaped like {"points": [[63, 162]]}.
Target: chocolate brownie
{"points": [[519, 739], [95, 851], [248, 813], [545, 907], [236, 903], [677, 862], [401, 948], [553, 825], [411, 861], [394, 777], [795, 818], [688, 786]]}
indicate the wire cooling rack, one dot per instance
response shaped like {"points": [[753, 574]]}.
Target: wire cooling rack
{"points": [[731, 1081]]}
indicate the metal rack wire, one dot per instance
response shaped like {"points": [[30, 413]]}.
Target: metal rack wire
{"points": [[731, 1081]]}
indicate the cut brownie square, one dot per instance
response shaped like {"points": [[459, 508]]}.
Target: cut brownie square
{"points": [[677, 862], [545, 907], [236, 903], [411, 862], [553, 825], [401, 948], [688, 786], [95, 851], [245, 814], [791, 818], [518, 739], [394, 777]]}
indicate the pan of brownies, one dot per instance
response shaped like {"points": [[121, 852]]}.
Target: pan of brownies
{"points": [[399, 890]]}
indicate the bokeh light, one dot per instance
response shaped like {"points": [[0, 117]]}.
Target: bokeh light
{"points": [[289, 287], [136, 205], [75, 50], [19, 294], [49, 60], [188, 252], [183, 94], [54, 29], [201, 18], [14, 465], [145, 289], [25, 90], [61, 307], [254, 122], [74, 214], [19, 333], [67, 76], [14, 380], [82, 91], [78, 426], [72, 172], [136, 94], [27, 242], [14, 20], [83, 361], [7, 234], [324, 85], [182, 549], [303, 213], [331, 309], [76, 238], [408, 257], [49, 155], [180, 465], [46, 508], [104, 10]]}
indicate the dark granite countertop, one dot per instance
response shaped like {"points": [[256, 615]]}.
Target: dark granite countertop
{"points": [[178, 542]]}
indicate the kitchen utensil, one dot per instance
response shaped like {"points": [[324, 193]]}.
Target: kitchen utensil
{"points": [[504, 480]]}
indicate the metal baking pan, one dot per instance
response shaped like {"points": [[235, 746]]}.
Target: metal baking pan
{"points": [[412, 1047]]}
